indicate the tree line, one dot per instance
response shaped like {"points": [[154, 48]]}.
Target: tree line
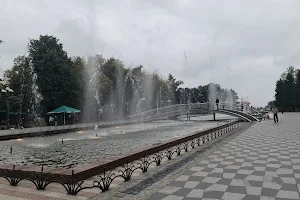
{"points": [[104, 89], [287, 92]]}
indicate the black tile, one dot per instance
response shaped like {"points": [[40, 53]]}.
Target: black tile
{"points": [[240, 176], [224, 181], [258, 164], [177, 183], [236, 189], [221, 166], [230, 170], [213, 194], [287, 166], [191, 198], [277, 180], [251, 197], [207, 170], [287, 175], [157, 196], [256, 183], [247, 168], [269, 192], [271, 169], [298, 180], [289, 187], [217, 175], [183, 192], [189, 172], [258, 173], [195, 178], [203, 185]]}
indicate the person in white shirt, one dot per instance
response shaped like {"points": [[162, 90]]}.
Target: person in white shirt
{"points": [[275, 114]]}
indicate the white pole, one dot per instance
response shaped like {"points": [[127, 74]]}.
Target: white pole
{"points": [[160, 97], [157, 105]]}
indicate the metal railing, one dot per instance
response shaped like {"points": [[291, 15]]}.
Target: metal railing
{"points": [[179, 109]]}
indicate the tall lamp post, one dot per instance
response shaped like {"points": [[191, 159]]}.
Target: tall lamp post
{"points": [[4, 92]]}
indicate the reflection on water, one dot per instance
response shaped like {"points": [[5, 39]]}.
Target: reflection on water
{"points": [[83, 147]]}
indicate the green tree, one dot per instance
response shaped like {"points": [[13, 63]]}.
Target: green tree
{"points": [[55, 73], [20, 80], [280, 95], [290, 89], [173, 86], [297, 88]]}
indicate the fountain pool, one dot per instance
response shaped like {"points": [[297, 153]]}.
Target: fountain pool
{"points": [[82, 147]]}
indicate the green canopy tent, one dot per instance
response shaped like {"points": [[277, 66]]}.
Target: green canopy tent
{"points": [[64, 110]]}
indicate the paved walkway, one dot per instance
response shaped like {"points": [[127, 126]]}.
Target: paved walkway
{"points": [[261, 163]]}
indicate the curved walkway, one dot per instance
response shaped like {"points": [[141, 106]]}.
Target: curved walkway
{"points": [[261, 163]]}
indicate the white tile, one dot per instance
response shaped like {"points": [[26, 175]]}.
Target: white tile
{"points": [[211, 179], [191, 184], [296, 166], [233, 167], [202, 174], [260, 161], [217, 187], [255, 178], [196, 193], [246, 164], [271, 174], [248, 172], [237, 182], [212, 165], [253, 190], [288, 180], [228, 175], [260, 169], [197, 169], [217, 160], [232, 196], [217, 170], [169, 189], [287, 194], [182, 178], [204, 162], [274, 165], [226, 163], [229, 158], [284, 171], [252, 158], [173, 197], [271, 185]]}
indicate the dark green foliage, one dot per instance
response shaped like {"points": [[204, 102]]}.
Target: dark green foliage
{"points": [[287, 92]]}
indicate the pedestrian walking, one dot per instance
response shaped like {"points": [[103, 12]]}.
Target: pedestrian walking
{"points": [[275, 114], [55, 120], [217, 102], [51, 119]]}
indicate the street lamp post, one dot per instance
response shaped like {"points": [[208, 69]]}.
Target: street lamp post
{"points": [[4, 92]]}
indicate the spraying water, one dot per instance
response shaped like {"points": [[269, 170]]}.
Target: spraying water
{"points": [[212, 95]]}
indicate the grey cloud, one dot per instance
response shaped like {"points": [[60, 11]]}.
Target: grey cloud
{"points": [[244, 45]]}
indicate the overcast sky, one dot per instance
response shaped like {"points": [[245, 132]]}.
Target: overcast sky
{"points": [[244, 45]]}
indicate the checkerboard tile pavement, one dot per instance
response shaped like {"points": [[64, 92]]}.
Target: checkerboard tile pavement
{"points": [[261, 163]]}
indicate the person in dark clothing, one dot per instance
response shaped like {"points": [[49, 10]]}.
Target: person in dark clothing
{"points": [[275, 114], [55, 120], [217, 102]]}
